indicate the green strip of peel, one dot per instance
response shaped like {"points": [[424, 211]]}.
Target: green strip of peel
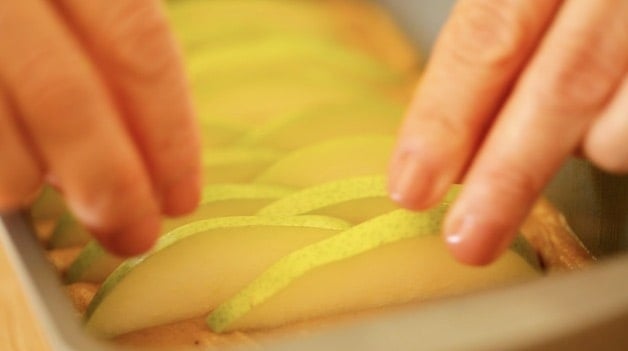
{"points": [[384, 229]]}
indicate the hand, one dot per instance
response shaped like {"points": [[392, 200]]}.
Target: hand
{"points": [[513, 88], [93, 98]]}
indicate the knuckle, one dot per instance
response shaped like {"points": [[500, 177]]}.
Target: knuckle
{"points": [[442, 134], [578, 79], [450, 128], [124, 185], [487, 33], [51, 91], [514, 182]]}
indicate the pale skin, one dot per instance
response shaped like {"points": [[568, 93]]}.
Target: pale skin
{"points": [[93, 99], [512, 89]]}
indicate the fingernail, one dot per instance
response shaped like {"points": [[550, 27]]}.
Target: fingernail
{"points": [[475, 242], [182, 197], [136, 238], [410, 184]]}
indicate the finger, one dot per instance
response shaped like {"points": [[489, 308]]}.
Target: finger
{"points": [[20, 173], [135, 50], [605, 143], [479, 53], [66, 111], [568, 83]]}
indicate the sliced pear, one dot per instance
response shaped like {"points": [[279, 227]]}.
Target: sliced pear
{"points": [[94, 263], [287, 54], [222, 200], [353, 199], [265, 97], [49, 205], [387, 260], [68, 232], [363, 116], [197, 266], [236, 165], [220, 132], [331, 160], [216, 23]]}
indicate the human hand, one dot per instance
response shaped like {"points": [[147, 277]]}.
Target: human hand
{"points": [[93, 98], [512, 89]]}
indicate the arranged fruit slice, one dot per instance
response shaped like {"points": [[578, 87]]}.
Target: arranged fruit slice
{"points": [[94, 264], [68, 232], [363, 116], [220, 132], [391, 259], [195, 267], [331, 160], [216, 23], [222, 200], [265, 97], [353, 199], [286, 54], [236, 165], [49, 205]]}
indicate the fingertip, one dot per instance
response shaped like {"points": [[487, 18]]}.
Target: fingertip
{"points": [[475, 241], [134, 239], [408, 182], [416, 181]]}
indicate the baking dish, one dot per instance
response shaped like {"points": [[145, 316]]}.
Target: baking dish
{"points": [[536, 314]]}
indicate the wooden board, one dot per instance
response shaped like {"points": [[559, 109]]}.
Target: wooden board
{"points": [[19, 330]]}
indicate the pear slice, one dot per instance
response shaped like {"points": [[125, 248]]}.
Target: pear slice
{"points": [[195, 267], [262, 98], [353, 199], [49, 205], [94, 263], [392, 259], [222, 200], [217, 132], [363, 116], [287, 54], [236, 165], [210, 24], [331, 160], [68, 232]]}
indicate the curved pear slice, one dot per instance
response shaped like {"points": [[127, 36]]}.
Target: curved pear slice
{"points": [[94, 263], [265, 97], [203, 24], [236, 165], [392, 259], [68, 232], [354, 200], [220, 132], [197, 266], [364, 116], [49, 205], [331, 160], [222, 200], [287, 54]]}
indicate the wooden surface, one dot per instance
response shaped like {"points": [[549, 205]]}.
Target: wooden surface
{"points": [[19, 330]]}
